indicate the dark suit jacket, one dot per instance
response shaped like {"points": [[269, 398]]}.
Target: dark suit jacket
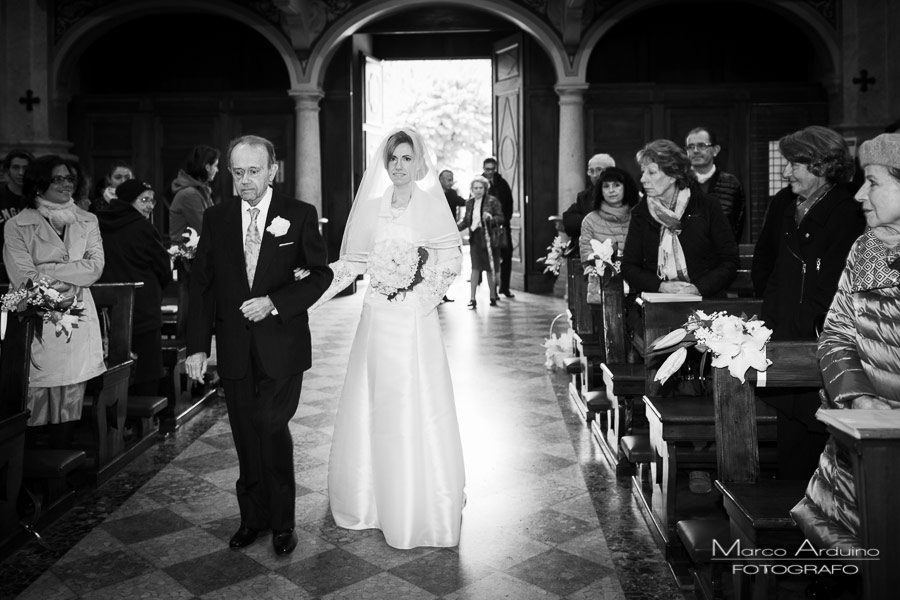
{"points": [[219, 287]]}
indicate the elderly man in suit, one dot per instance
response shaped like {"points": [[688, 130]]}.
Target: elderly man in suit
{"points": [[243, 283]]}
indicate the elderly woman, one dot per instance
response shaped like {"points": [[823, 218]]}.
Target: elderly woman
{"points": [[484, 218], [614, 196], [802, 248], [858, 351], [55, 241], [135, 252], [678, 241]]}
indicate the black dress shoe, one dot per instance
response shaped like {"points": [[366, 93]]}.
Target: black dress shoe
{"points": [[494, 301], [507, 293], [244, 537], [284, 542], [472, 304]]}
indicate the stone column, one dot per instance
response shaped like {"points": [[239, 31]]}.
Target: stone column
{"points": [[25, 36], [571, 143], [308, 161]]}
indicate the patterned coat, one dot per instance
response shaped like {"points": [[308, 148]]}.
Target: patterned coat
{"points": [[859, 353]]}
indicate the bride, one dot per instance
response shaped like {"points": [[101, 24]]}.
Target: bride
{"points": [[396, 459]]}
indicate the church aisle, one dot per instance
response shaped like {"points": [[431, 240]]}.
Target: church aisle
{"points": [[545, 518]]}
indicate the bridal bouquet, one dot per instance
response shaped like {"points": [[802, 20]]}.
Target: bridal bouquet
{"points": [[735, 342], [187, 248], [395, 266], [41, 302], [555, 256]]}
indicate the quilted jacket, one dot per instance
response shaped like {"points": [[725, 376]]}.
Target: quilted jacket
{"points": [[859, 354]]}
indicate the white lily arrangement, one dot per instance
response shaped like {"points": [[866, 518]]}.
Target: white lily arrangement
{"points": [[604, 254], [188, 247], [738, 343], [555, 255]]}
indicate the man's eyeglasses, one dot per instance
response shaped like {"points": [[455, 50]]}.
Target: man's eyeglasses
{"points": [[62, 179], [698, 146]]}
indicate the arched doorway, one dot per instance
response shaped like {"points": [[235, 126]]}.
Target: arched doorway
{"points": [[150, 108]]}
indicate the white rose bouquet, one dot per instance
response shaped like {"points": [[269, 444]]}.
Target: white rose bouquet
{"points": [[187, 248], [41, 302], [738, 343], [555, 256], [395, 266]]}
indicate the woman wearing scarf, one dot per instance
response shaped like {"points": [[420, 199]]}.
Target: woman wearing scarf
{"points": [[802, 248], [614, 196], [55, 241], [859, 352], [679, 241]]}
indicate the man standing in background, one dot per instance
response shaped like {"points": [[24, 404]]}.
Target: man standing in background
{"points": [[702, 149], [584, 201], [500, 189], [11, 201]]}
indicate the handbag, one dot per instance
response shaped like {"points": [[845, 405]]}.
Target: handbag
{"points": [[499, 238]]}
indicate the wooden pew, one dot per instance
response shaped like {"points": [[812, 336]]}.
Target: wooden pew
{"points": [[758, 509], [15, 363], [42, 473], [106, 400]]}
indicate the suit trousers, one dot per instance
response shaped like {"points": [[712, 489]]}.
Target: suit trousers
{"points": [[506, 263], [259, 409]]}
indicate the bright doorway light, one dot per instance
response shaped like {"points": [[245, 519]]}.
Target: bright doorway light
{"points": [[449, 103]]}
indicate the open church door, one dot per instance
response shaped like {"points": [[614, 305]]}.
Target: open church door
{"points": [[507, 89], [373, 127]]}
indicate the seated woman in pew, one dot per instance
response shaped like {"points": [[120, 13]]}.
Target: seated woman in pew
{"points": [[135, 252], [615, 195], [679, 240], [859, 352], [802, 249], [55, 241]]}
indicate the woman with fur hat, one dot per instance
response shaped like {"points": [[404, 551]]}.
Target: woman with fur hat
{"points": [[859, 353], [135, 252]]}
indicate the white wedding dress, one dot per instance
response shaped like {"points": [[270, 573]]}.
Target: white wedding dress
{"points": [[396, 459]]}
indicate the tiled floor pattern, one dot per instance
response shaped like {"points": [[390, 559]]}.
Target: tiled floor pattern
{"points": [[545, 518]]}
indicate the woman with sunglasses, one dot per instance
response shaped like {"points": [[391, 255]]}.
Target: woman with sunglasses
{"points": [[135, 251], [53, 240]]}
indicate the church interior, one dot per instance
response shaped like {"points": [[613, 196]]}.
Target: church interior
{"points": [[579, 481]]}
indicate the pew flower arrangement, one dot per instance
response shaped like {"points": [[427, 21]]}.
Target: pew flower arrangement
{"points": [[738, 343], [188, 247], [555, 256], [558, 347], [39, 301], [395, 266], [604, 255]]}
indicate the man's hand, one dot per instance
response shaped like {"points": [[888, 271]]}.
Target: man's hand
{"points": [[870, 403], [487, 217], [195, 365], [257, 309], [678, 287]]}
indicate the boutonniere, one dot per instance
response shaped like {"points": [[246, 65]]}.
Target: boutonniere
{"points": [[278, 227]]}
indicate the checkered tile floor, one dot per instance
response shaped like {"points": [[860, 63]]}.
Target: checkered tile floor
{"points": [[539, 496]]}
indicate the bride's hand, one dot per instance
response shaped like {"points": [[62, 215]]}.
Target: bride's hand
{"points": [[486, 217], [300, 273]]}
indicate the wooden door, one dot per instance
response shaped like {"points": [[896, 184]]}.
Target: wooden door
{"points": [[507, 88]]}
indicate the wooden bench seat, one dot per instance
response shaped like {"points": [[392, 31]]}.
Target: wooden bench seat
{"points": [[142, 414]]}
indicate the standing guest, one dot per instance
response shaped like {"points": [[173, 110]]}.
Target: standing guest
{"points": [[500, 190], [801, 251], [134, 251], [55, 241], [453, 198], [81, 194], [585, 200], [262, 329], [484, 219], [859, 352], [118, 173], [192, 191], [11, 200], [615, 194], [678, 240], [702, 149], [193, 197]]}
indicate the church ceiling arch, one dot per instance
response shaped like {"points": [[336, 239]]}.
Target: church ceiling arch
{"points": [[816, 18]]}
